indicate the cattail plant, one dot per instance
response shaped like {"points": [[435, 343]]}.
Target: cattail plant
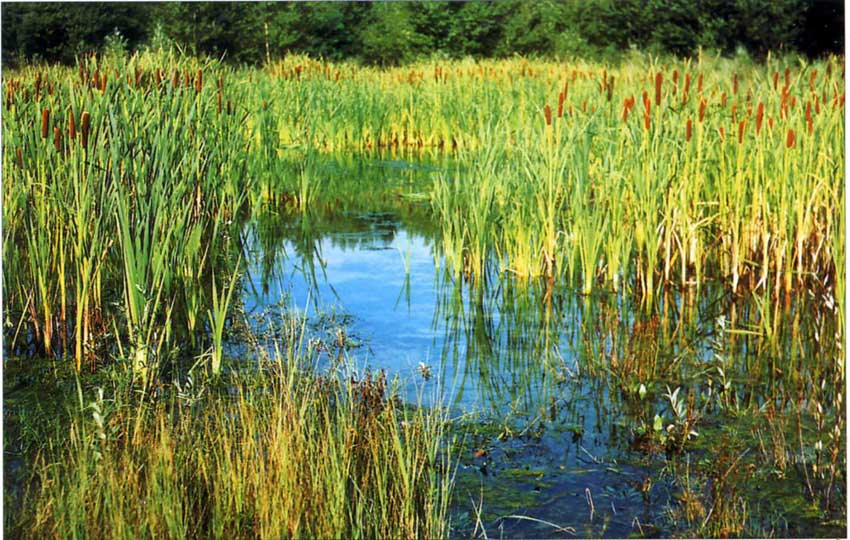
{"points": [[688, 128], [658, 80], [810, 126], [84, 121], [759, 117], [789, 138], [548, 113], [57, 138], [72, 128], [45, 121]]}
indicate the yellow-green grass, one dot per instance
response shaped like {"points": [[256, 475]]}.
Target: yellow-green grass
{"points": [[287, 454]]}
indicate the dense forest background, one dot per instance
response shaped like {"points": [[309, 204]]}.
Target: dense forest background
{"points": [[398, 32]]}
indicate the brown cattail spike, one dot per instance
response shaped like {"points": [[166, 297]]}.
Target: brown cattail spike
{"points": [[610, 88], [759, 117], [72, 126], [735, 84], [688, 128], [741, 126], [787, 76], [57, 138], [45, 121], [548, 112], [775, 80], [702, 106], [659, 78], [561, 104], [199, 81], [20, 157], [789, 139], [84, 121]]}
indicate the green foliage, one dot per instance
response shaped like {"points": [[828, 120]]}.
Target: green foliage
{"points": [[388, 37], [59, 31], [391, 33]]}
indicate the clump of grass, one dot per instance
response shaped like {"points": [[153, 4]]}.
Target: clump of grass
{"points": [[289, 454]]}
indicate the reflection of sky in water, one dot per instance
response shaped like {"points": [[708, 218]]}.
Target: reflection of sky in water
{"points": [[363, 275]]}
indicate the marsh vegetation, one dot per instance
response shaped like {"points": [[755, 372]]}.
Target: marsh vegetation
{"points": [[450, 299]]}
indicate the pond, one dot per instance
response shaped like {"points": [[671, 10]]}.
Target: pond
{"points": [[574, 415]]}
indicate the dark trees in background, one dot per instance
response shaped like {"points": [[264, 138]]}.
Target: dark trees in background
{"points": [[387, 33], [59, 31]]}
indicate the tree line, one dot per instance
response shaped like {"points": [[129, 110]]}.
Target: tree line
{"points": [[397, 32]]}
